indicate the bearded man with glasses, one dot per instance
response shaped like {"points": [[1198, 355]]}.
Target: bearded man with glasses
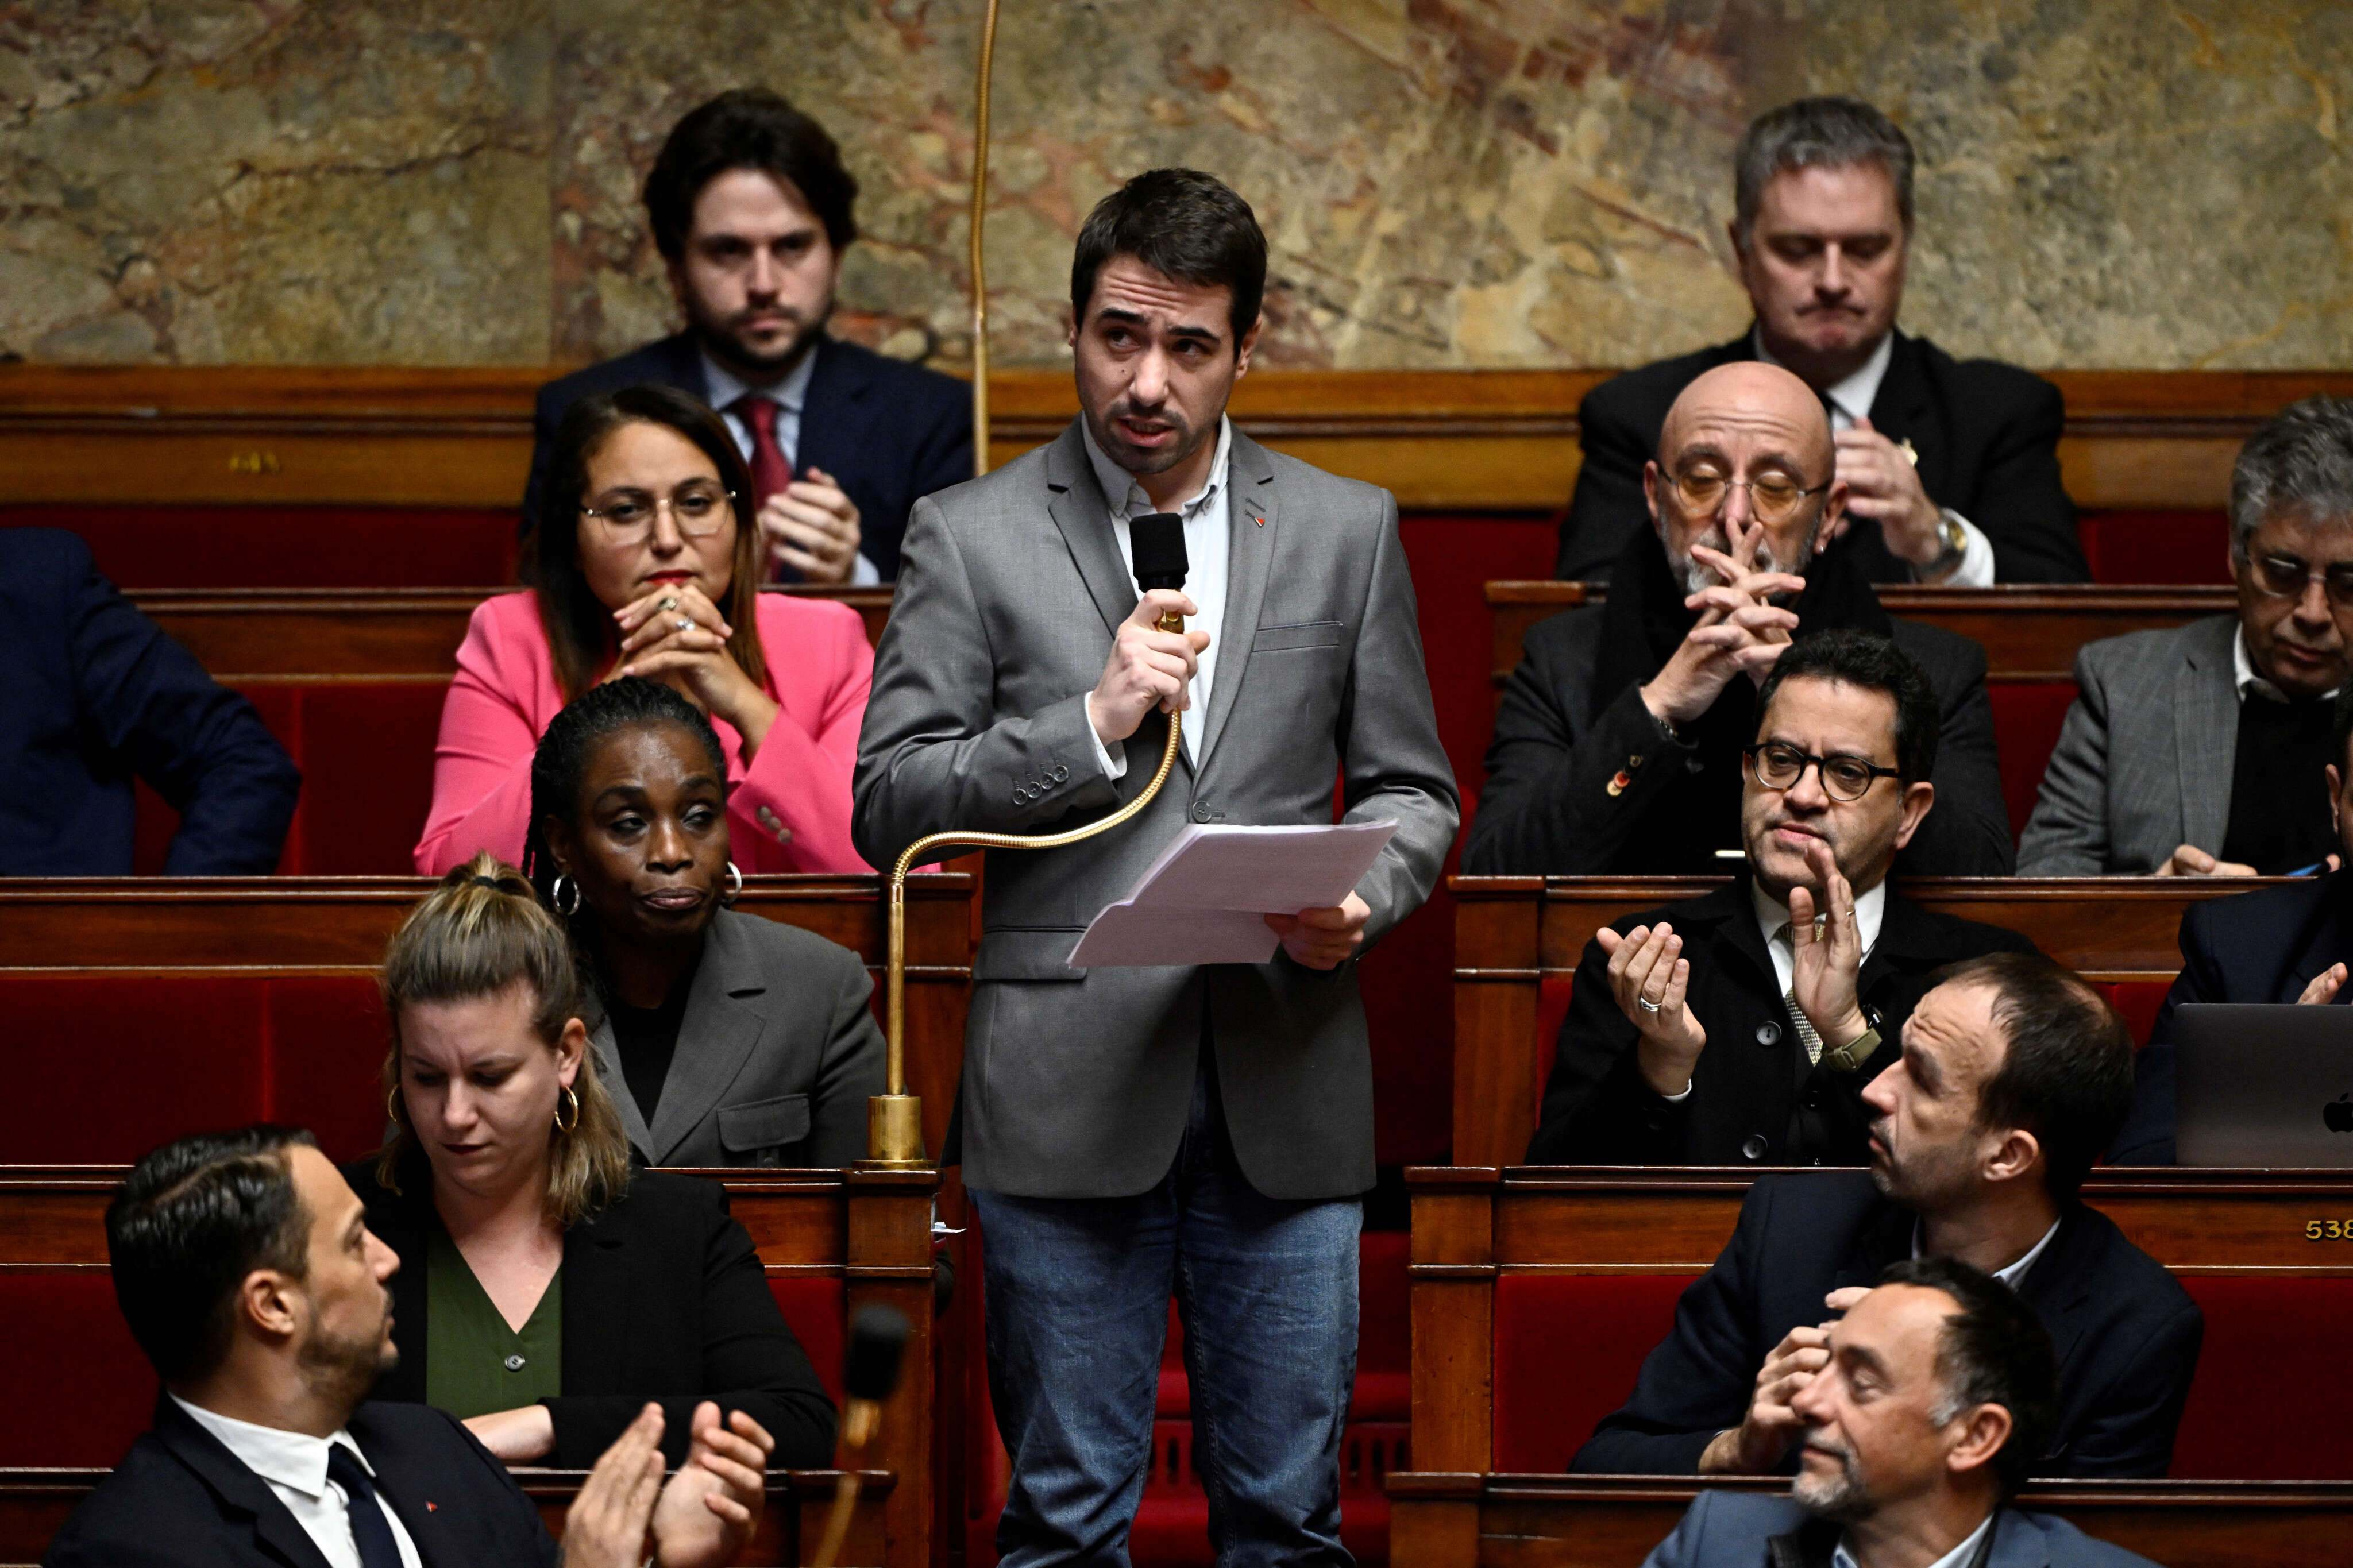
{"points": [[2203, 750], [1618, 746], [1741, 1027]]}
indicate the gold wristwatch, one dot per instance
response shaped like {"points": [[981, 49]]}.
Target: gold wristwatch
{"points": [[1956, 541]]}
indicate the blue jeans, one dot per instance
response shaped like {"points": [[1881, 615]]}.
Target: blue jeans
{"points": [[1077, 1302]]}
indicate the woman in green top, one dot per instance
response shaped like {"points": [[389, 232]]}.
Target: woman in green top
{"points": [[548, 1290]]}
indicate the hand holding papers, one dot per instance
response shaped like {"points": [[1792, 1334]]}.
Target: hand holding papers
{"points": [[1205, 899]]}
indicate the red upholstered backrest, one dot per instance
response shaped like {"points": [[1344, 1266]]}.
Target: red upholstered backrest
{"points": [[2138, 1000], [1384, 1331], [2125, 547], [1553, 995], [1568, 1350], [816, 1310], [2269, 1400], [2026, 720], [72, 1381], [289, 547]]}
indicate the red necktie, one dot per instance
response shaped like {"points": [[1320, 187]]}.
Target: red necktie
{"points": [[770, 472]]}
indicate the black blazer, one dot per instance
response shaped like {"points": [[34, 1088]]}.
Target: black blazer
{"points": [[2125, 1332], [1986, 435], [1547, 809], [180, 1498], [664, 1298], [2263, 946], [889, 432], [97, 695], [1751, 1102]]}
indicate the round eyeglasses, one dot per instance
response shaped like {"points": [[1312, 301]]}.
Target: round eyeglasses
{"points": [[1774, 498], [1844, 775]]}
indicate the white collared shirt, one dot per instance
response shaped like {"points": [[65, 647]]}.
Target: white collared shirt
{"points": [[1850, 400], [1209, 549], [293, 1466], [1773, 921], [790, 395], [2244, 678], [1842, 1558], [2016, 1271]]}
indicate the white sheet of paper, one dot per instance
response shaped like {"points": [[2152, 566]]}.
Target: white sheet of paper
{"points": [[1203, 900]]}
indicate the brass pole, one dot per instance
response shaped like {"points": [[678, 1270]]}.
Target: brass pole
{"points": [[978, 226]]}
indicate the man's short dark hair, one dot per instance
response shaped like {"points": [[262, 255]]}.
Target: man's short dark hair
{"points": [[748, 128], [2299, 461], [1817, 133], [1993, 1350], [189, 1223], [1181, 224], [1876, 664], [2067, 1066]]}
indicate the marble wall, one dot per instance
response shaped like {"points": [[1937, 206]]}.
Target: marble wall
{"points": [[1446, 182]]}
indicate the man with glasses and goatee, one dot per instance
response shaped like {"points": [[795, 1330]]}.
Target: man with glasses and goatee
{"points": [[1741, 1027], [2203, 751], [1617, 745]]}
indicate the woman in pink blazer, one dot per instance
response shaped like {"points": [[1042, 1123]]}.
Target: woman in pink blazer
{"points": [[648, 572]]}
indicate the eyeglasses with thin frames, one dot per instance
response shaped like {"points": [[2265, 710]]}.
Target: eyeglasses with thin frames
{"points": [[698, 508], [1774, 498], [1844, 775], [2288, 577]]}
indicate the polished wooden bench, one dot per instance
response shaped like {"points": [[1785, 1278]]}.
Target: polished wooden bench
{"points": [[1518, 940], [1472, 1520], [237, 999], [832, 1241]]}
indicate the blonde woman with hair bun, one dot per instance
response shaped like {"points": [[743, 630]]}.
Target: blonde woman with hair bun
{"points": [[548, 1288]]}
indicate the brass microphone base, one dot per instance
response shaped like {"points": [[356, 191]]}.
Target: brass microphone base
{"points": [[894, 1133]]}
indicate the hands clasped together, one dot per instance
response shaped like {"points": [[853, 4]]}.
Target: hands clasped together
{"points": [[676, 635], [1883, 483], [812, 526], [1740, 630], [699, 1520]]}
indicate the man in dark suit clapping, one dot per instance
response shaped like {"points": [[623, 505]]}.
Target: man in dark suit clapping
{"points": [[2014, 1075], [750, 207], [1951, 466]]}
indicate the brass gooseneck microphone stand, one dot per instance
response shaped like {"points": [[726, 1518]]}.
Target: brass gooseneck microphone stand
{"points": [[895, 1122]]}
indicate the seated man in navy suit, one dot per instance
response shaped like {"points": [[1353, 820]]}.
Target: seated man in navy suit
{"points": [[750, 207], [246, 1271], [1937, 1390], [2014, 1075], [2290, 944], [97, 696]]}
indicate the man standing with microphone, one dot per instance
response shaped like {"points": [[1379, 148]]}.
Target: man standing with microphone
{"points": [[1131, 1132]]}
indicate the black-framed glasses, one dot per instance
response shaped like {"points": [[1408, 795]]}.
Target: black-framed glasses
{"points": [[1774, 498], [2287, 576], [700, 508], [1844, 775]]}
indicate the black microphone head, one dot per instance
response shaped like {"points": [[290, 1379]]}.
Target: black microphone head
{"points": [[878, 1342], [1159, 543]]}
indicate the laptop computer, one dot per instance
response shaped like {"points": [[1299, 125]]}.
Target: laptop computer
{"points": [[2264, 1085]]}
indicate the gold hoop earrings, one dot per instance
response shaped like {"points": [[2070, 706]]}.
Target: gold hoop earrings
{"points": [[562, 1125], [392, 1105]]}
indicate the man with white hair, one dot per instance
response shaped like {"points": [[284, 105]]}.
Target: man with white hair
{"points": [[1617, 745]]}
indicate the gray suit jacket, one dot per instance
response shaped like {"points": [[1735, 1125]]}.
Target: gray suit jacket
{"points": [[1077, 1083], [2143, 763], [1744, 1529], [777, 1055]]}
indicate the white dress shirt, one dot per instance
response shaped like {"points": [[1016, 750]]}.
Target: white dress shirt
{"points": [[2016, 1271], [789, 396], [293, 1465], [2246, 680], [1842, 1558], [1208, 548], [1850, 400]]}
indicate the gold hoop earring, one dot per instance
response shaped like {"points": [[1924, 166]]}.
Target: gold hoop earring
{"points": [[392, 1103], [562, 1125]]}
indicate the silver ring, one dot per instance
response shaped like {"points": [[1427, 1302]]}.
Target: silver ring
{"points": [[684, 624], [1649, 1005], [669, 604]]}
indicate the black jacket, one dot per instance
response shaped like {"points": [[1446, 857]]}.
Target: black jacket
{"points": [[180, 1499], [2125, 1332], [1986, 435], [97, 697], [1751, 1100], [664, 1298], [891, 433], [1571, 722], [2264, 946]]}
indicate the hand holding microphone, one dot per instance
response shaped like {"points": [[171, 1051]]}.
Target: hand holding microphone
{"points": [[1152, 659]]}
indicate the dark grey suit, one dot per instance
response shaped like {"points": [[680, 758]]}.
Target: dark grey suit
{"points": [[1752, 1530], [777, 1055], [2144, 761], [1078, 1083]]}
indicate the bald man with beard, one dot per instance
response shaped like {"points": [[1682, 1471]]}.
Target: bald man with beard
{"points": [[1618, 746]]}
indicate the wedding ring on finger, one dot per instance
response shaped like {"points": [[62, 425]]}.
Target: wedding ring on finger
{"points": [[669, 604], [1649, 1005], [684, 624]]}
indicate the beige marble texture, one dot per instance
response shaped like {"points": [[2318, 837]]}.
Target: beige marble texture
{"points": [[1445, 183]]}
